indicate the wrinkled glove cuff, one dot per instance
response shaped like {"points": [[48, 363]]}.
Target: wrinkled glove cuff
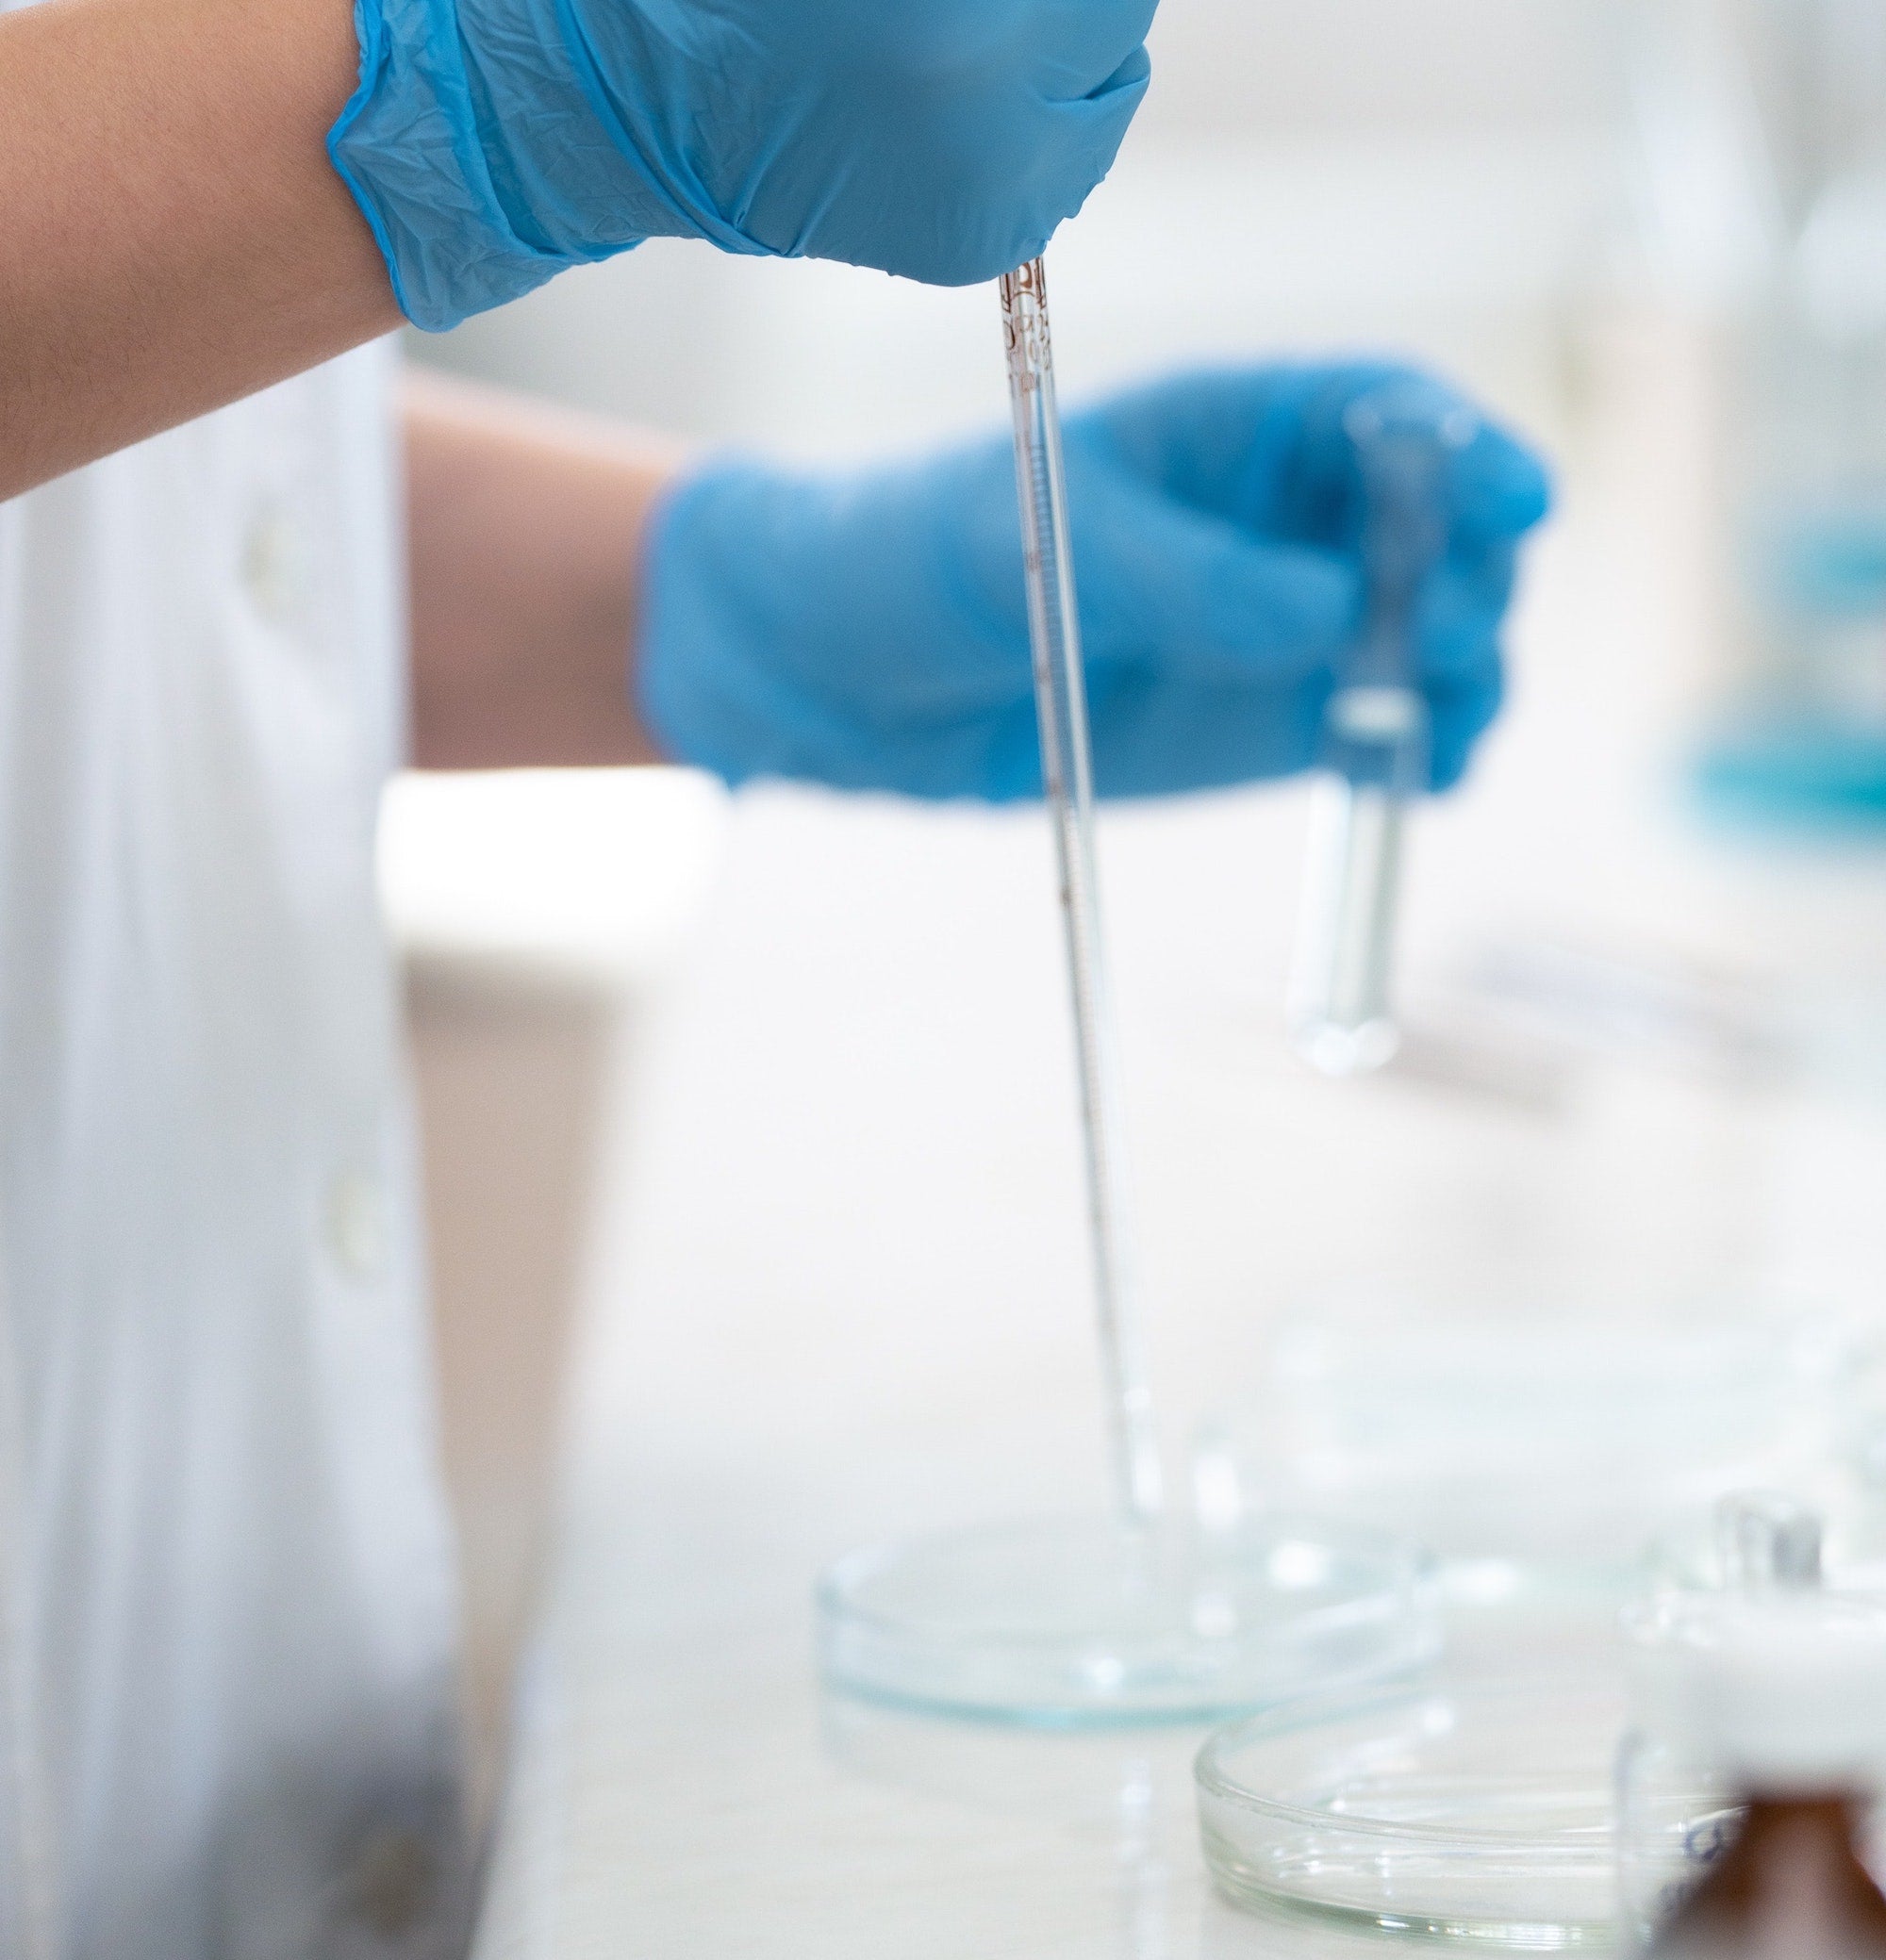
{"points": [[407, 146]]}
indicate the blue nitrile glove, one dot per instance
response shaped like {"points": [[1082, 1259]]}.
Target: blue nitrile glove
{"points": [[493, 143], [869, 629]]}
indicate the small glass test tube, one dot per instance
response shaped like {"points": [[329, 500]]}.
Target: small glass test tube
{"points": [[1376, 735]]}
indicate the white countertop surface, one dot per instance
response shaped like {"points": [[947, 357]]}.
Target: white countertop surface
{"points": [[839, 1286]]}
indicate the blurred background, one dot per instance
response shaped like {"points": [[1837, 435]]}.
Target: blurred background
{"points": [[767, 1104], [1442, 174]]}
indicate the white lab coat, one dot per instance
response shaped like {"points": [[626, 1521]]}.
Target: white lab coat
{"points": [[227, 1606]]}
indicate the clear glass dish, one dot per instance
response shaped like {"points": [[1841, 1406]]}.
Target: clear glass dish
{"points": [[1472, 1810], [1083, 1622]]}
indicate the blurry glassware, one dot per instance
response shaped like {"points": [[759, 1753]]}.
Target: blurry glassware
{"points": [[1538, 1459], [1764, 138], [1769, 1542], [1067, 1623], [1479, 1804], [1749, 1542], [1476, 1801], [1758, 1716], [1377, 748], [1467, 1808], [1837, 1542]]}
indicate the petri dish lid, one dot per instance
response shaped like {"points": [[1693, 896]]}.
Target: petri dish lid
{"points": [[1475, 1809], [1083, 1622]]}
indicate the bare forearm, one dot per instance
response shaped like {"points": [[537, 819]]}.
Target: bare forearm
{"points": [[526, 530], [175, 236]]}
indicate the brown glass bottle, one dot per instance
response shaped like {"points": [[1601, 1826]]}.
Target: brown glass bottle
{"points": [[1790, 1887]]}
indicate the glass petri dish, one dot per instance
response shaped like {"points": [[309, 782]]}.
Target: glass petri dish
{"points": [[1086, 1623], [1476, 1810]]}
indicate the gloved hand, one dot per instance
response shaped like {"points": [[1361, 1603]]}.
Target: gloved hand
{"points": [[493, 143], [869, 631]]}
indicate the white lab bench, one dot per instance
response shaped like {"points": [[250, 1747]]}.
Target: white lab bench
{"points": [[838, 1291]]}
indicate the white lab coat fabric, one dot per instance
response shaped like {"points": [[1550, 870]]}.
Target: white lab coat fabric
{"points": [[226, 1593]]}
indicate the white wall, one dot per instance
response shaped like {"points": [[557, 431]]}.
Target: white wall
{"points": [[1262, 69]]}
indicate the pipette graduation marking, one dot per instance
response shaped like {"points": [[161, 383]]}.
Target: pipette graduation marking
{"points": [[1067, 769], [1376, 736]]}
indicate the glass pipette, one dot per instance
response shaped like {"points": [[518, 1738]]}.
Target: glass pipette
{"points": [[1066, 770], [1376, 743]]}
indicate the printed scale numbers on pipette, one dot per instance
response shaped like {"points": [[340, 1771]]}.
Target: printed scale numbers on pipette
{"points": [[1377, 745], [1135, 1615]]}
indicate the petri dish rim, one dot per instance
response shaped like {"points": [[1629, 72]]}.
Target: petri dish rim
{"points": [[1439, 1930], [1281, 1838], [1017, 1675], [830, 1593], [1313, 1711]]}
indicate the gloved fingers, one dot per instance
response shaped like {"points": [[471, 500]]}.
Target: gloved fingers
{"points": [[1197, 599], [991, 754], [1272, 448], [1154, 738], [1093, 124], [1040, 193], [1494, 486], [1462, 711], [1131, 78], [1490, 487], [1499, 488], [1087, 46], [1156, 735], [1009, 766], [1485, 570], [1457, 623], [1219, 439]]}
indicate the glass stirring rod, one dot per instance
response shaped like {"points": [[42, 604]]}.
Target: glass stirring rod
{"points": [[1066, 771], [1376, 735]]}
